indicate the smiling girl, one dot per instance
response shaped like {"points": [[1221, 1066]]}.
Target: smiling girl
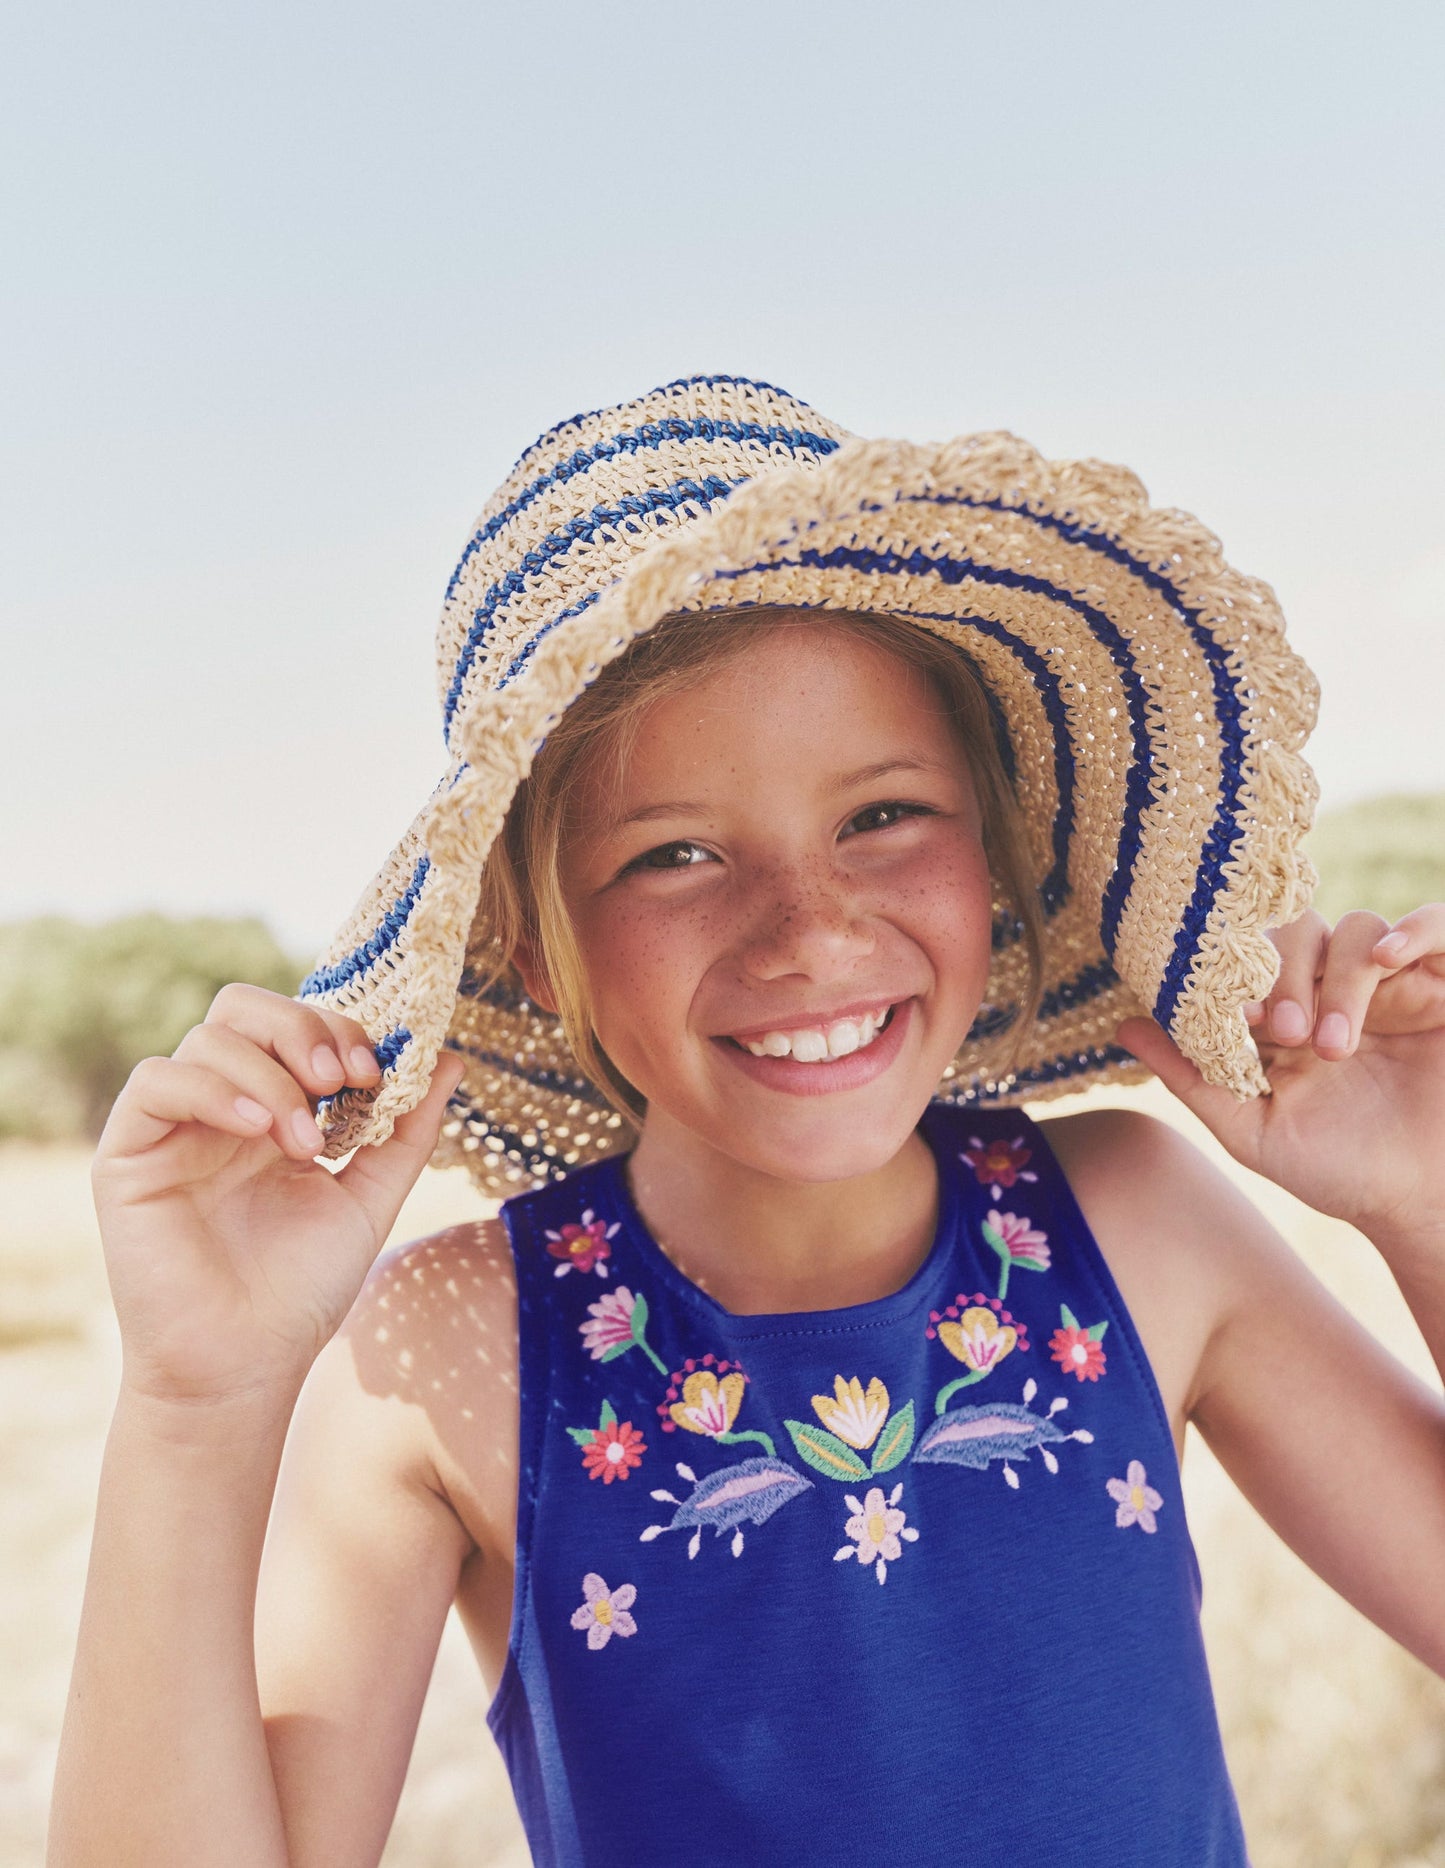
{"points": [[800, 1446]]}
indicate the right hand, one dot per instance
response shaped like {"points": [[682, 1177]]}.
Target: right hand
{"points": [[233, 1253]]}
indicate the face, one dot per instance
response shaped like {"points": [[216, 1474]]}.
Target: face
{"points": [[783, 907]]}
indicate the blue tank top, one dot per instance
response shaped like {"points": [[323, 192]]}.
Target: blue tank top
{"points": [[907, 1581]]}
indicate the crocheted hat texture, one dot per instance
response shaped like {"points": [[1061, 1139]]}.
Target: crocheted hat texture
{"points": [[1148, 711]]}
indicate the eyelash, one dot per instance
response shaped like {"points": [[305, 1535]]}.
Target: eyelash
{"points": [[645, 862]]}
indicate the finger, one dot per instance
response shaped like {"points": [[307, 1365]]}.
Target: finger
{"points": [[1290, 1007], [311, 1044], [383, 1176], [1347, 984], [161, 1093], [259, 1076], [1220, 1111], [1413, 937]]}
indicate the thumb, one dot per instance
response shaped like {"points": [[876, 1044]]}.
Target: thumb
{"points": [[1219, 1111], [381, 1177]]}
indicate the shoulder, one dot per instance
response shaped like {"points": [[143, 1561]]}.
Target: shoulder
{"points": [[424, 1370], [1181, 1240]]}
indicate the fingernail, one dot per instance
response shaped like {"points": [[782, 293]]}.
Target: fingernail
{"points": [[326, 1064], [254, 1113], [1392, 943], [1253, 1012], [1290, 1021], [1334, 1031], [363, 1062], [307, 1134]]}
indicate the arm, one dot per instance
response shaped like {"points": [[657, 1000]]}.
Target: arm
{"points": [[232, 1256], [1341, 1450]]}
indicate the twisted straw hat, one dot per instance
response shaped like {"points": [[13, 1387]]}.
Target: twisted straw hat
{"points": [[1146, 705]]}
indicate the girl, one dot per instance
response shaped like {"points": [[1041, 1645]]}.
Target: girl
{"points": [[800, 1446]]}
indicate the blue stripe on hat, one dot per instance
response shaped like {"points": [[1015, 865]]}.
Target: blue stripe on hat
{"points": [[330, 978], [1076, 1064], [578, 1088], [647, 438], [1224, 831], [625, 512], [663, 389]]}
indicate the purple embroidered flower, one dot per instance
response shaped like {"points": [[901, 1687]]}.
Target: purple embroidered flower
{"points": [[1137, 1501], [604, 1612]]}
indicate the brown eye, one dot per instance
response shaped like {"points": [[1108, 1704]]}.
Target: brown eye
{"points": [[679, 855], [884, 816]]}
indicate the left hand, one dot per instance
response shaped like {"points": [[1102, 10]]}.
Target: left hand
{"points": [[1353, 1040]]}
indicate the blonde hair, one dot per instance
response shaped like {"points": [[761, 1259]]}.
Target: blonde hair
{"points": [[521, 894]]}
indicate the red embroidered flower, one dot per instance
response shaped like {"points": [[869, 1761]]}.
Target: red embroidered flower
{"points": [[613, 1452], [998, 1164], [584, 1247], [1078, 1353]]}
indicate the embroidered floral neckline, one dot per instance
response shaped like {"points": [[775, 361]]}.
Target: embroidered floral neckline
{"points": [[910, 1296]]}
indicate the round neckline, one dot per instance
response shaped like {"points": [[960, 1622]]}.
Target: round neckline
{"points": [[909, 1296]]}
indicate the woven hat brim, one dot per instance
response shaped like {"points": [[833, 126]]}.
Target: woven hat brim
{"points": [[1148, 706]]}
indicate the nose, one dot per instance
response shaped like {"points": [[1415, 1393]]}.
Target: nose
{"points": [[806, 922]]}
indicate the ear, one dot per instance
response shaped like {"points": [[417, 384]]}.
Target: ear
{"points": [[535, 982]]}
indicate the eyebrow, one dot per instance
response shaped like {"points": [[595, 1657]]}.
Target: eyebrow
{"points": [[844, 781]]}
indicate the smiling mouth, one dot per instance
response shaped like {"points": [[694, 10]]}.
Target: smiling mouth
{"points": [[821, 1044]]}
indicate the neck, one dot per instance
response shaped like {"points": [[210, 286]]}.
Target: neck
{"points": [[760, 1245]]}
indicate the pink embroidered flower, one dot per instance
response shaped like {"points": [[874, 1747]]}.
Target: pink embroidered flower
{"points": [[604, 1611], [1137, 1501], [584, 1247], [1018, 1242], [616, 1323], [610, 1322], [998, 1164], [613, 1451], [1078, 1353], [878, 1529]]}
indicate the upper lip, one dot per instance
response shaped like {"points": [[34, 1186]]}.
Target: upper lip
{"points": [[813, 1021]]}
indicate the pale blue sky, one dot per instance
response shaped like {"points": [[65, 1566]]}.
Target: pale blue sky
{"points": [[288, 287]]}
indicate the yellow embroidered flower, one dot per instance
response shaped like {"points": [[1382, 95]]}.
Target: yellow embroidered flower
{"points": [[978, 1339], [709, 1405], [852, 1414]]}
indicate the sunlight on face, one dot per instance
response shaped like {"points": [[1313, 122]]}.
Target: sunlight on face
{"points": [[793, 850]]}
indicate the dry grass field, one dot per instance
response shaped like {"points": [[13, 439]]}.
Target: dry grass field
{"points": [[1336, 1738]]}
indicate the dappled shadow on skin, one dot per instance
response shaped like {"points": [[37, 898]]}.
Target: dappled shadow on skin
{"points": [[436, 1327]]}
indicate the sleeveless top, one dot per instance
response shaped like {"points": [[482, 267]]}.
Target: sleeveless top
{"points": [[907, 1581]]}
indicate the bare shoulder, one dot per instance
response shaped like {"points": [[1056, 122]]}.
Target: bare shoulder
{"points": [[434, 1331], [1176, 1234]]}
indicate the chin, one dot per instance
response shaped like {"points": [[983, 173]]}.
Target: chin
{"points": [[817, 1149]]}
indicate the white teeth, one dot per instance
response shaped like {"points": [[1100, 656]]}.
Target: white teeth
{"points": [[812, 1046]]}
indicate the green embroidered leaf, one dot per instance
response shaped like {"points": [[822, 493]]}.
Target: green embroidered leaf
{"points": [[614, 1350], [639, 1317], [825, 1452], [894, 1441], [582, 1435], [995, 1239], [1096, 1333], [608, 1416], [1070, 1321], [1031, 1264]]}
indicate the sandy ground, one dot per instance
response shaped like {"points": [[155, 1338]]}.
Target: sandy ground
{"points": [[1335, 1737]]}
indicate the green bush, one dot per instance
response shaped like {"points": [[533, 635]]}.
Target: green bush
{"points": [[1383, 853], [81, 1005]]}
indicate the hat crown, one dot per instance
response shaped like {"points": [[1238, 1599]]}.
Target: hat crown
{"points": [[588, 497]]}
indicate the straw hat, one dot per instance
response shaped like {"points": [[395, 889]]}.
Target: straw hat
{"points": [[1149, 713]]}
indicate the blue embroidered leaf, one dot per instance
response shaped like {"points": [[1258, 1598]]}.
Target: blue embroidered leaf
{"points": [[748, 1493], [973, 1436], [825, 1452], [894, 1441]]}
